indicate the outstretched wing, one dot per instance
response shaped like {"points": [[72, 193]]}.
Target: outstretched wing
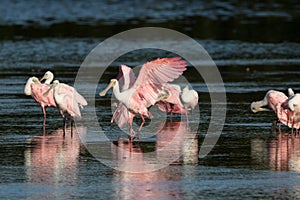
{"points": [[125, 77], [155, 73]]}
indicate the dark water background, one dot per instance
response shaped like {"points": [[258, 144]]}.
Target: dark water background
{"points": [[255, 46]]}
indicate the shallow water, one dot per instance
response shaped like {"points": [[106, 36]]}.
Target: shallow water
{"points": [[255, 47]]}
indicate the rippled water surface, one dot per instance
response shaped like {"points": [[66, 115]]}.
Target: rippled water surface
{"points": [[255, 47]]}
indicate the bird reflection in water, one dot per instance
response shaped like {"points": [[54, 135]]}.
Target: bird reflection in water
{"points": [[285, 152], [175, 143], [51, 158], [280, 153]]}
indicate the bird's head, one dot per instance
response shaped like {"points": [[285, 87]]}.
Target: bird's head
{"points": [[291, 92], [256, 107], [30, 81], [112, 83], [164, 94], [48, 76], [55, 83], [186, 88], [293, 102], [35, 80]]}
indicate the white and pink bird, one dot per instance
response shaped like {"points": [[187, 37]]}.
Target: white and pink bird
{"points": [[277, 101], [65, 97], [293, 104], [175, 100], [68, 101], [36, 89], [145, 91]]}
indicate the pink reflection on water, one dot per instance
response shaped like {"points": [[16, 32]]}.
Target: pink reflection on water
{"points": [[53, 158], [175, 142], [284, 153]]}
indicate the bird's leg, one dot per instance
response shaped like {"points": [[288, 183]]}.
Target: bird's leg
{"points": [[72, 122], [44, 130], [171, 113], [279, 131], [141, 126], [279, 125], [131, 132], [64, 126], [187, 116], [293, 127], [44, 112], [274, 126]]}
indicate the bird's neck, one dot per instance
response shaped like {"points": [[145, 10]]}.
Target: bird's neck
{"points": [[261, 104], [116, 90], [121, 96], [57, 97], [48, 81], [27, 89]]}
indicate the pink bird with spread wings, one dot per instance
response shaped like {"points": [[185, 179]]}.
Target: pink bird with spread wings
{"points": [[145, 91]]}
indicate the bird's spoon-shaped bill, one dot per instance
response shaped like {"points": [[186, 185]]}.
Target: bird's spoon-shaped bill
{"points": [[110, 85]]}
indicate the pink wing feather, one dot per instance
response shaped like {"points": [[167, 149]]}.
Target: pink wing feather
{"points": [[151, 77], [161, 70], [37, 91], [155, 73], [277, 101], [72, 107], [66, 89], [275, 98], [125, 77]]}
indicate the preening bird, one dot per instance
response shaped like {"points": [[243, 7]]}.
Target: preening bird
{"points": [[36, 89], [175, 100], [276, 101]]}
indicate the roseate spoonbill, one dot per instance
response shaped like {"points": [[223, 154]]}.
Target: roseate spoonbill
{"points": [[35, 89], [189, 98], [145, 90], [126, 80], [48, 77], [293, 103], [68, 101], [169, 100], [174, 100], [275, 100]]}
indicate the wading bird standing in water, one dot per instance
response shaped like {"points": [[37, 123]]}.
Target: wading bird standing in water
{"points": [[276, 101], [35, 89], [293, 104], [68, 101], [145, 90], [173, 100]]}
